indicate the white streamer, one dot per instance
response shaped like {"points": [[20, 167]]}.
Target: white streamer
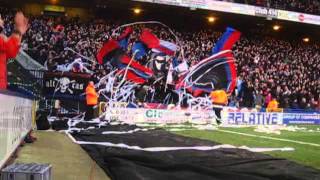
{"points": [[126, 132]]}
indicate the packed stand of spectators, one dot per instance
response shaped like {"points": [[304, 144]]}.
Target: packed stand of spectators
{"points": [[46, 40], [267, 68], [305, 6], [277, 69]]}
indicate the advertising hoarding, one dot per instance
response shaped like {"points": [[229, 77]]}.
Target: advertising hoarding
{"points": [[242, 9], [15, 123]]}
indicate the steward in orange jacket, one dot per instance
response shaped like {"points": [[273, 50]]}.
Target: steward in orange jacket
{"points": [[91, 95], [220, 98], [273, 105], [91, 100]]}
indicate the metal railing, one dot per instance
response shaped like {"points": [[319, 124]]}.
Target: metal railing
{"points": [[28, 82]]}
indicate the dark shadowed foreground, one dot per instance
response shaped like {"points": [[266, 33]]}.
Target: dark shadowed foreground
{"points": [[130, 163]]}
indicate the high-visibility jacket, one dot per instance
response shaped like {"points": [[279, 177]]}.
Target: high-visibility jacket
{"points": [[91, 95], [8, 49], [219, 97], [273, 105]]}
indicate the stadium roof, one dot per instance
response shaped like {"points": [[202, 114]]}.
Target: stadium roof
{"points": [[182, 17]]}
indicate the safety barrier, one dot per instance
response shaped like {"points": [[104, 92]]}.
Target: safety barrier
{"points": [[28, 82], [27, 62], [16, 115]]}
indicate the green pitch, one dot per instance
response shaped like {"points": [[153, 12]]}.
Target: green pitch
{"points": [[305, 143]]}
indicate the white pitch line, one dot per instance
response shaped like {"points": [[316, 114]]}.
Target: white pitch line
{"points": [[270, 138]]}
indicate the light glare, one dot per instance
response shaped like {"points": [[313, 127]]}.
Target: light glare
{"points": [[211, 19], [137, 11], [276, 27]]}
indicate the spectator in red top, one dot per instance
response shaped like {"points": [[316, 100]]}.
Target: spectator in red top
{"points": [[9, 46]]}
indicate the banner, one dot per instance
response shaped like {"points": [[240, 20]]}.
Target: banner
{"points": [[252, 118], [301, 118], [244, 9], [15, 123], [65, 85], [230, 116], [298, 17], [208, 5], [159, 116], [234, 116], [265, 12]]}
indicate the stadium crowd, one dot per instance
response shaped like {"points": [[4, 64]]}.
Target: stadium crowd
{"points": [[268, 68], [306, 6]]}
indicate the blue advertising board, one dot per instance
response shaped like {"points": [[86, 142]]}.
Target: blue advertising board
{"points": [[301, 118], [253, 118]]}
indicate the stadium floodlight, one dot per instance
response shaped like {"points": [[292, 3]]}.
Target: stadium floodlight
{"points": [[306, 39], [211, 19], [276, 27], [137, 10], [53, 1]]}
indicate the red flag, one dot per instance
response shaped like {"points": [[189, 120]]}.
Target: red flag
{"points": [[134, 64], [106, 49], [125, 33], [131, 76], [149, 39]]}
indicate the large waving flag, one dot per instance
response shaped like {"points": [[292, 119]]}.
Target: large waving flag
{"points": [[217, 71], [213, 73], [123, 39], [173, 65], [227, 40], [135, 72], [149, 39], [111, 52], [107, 51], [157, 45], [178, 68], [139, 50], [166, 47]]}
